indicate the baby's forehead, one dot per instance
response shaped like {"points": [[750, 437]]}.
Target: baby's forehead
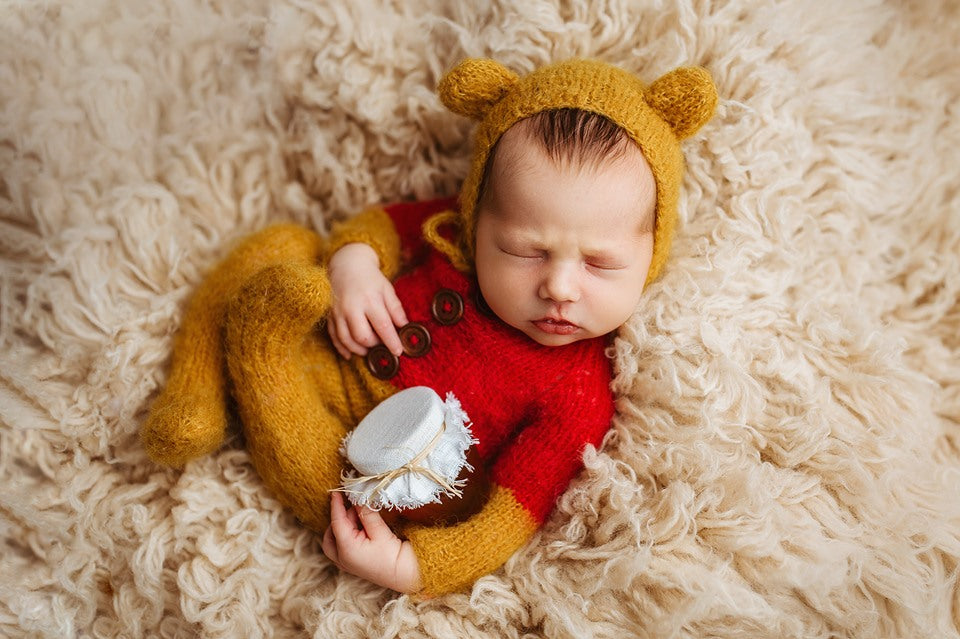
{"points": [[518, 154], [521, 165]]}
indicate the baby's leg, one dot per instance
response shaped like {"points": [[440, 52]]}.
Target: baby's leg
{"points": [[275, 357], [189, 418]]}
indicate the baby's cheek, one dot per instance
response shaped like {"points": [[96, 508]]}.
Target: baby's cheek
{"points": [[508, 286], [617, 300]]}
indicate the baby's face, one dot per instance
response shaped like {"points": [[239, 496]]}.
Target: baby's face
{"points": [[562, 252]]}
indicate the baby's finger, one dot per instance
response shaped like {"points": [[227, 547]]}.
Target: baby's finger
{"points": [[395, 307], [373, 524], [329, 546], [353, 517], [337, 509], [343, 332], [360, 330], [344, 528], [383, 324], [337, 344]]}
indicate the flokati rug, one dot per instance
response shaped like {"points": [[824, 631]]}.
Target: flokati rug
{"points": [[786, 457]]}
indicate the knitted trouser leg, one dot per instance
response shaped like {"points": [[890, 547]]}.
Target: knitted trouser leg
{"points": [[189, 418], [293, 424]]}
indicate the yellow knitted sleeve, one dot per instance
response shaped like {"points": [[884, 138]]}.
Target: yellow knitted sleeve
{"points": [[453, 557], [372, 227]]}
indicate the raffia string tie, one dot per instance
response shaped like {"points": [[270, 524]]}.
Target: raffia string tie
{"points": [[412, 466]]}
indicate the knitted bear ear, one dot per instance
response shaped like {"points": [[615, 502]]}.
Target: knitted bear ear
{"points": [[475, 85], [685, 98]]}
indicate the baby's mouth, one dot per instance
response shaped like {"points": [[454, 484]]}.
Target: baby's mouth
{"points": [[556, 326]]}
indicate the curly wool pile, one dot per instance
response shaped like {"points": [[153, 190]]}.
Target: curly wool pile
{"points": [[786, 458]]}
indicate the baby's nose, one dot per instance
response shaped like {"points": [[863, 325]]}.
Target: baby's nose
{"points": [[561, 283]]}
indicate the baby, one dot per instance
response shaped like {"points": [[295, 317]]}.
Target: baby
{"points": [[507, 300]]}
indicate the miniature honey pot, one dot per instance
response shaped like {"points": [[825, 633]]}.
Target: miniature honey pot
{"points": [[414, 458]]}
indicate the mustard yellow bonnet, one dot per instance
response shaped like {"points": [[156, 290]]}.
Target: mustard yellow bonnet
{"points": [[657, 117]]}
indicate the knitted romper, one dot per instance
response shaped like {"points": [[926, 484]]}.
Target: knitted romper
{"points": [[533, 408]]}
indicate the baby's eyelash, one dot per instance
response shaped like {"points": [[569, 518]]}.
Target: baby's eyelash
{"points": [[606, 267], [535, 254], [522, 254]]}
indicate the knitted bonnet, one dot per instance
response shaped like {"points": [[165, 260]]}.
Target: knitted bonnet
{"points": [[656, 117]]}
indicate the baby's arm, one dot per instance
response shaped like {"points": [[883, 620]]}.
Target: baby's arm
{"points": [[360, 542], [364, 253], [365, 305], [527, 477]]}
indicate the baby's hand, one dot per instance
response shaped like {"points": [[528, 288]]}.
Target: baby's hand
{"points": [[365, 305], [360, 542]]}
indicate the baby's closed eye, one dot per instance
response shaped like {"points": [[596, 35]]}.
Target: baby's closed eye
{"points": [[605, 261], [605, 266], [522, 251]]}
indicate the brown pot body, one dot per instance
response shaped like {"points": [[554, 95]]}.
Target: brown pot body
{"points": [[450, 510]]}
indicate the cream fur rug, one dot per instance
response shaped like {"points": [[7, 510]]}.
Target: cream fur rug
{"points": [[786, 460]]}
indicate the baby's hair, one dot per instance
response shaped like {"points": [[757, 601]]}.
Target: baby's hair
{"points": [[578, 138]]}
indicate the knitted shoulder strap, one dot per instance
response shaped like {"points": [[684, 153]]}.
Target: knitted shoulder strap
{"points": [[431, 233]]}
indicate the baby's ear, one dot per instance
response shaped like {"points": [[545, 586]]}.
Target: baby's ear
{"points": [[475, 85], [685, 98]]}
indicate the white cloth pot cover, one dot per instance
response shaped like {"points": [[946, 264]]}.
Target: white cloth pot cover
{"points": [[395, 433]]}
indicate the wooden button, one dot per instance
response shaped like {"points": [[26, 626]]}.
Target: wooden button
{"points": [[381, 363], [447, 307], [415, 339]]}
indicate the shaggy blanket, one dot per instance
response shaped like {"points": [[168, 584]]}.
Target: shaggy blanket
{"points": [[786, 455]]}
